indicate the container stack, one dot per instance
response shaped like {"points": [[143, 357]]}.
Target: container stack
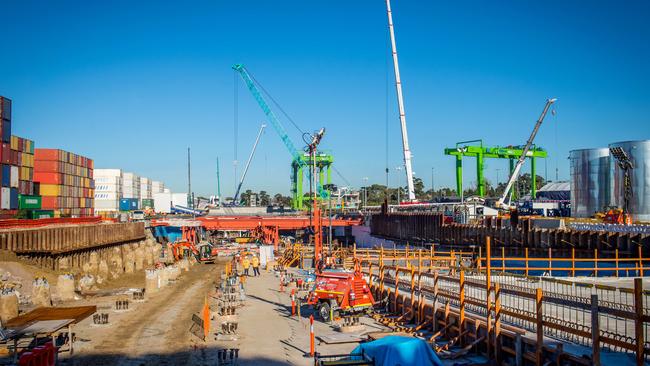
{"points": [[66, 182], [130, 186], [157, 187], [5, 156], [145, 192], [108, 190]]}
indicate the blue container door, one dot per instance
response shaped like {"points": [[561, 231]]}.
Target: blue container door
{"points": [[13, 204], [6, 175]]}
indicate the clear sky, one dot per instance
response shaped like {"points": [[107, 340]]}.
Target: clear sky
{"points": [[132, 84]]}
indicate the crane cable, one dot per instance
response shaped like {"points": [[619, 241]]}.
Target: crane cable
{"points": [[274, 102]]}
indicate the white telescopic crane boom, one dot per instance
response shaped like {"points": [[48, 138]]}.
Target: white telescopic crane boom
{"points": [[402, 114], [248, 163], [515, 172]]}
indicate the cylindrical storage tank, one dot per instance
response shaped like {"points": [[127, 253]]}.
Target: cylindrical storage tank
{"points": [[639, 154], [589, 181]]}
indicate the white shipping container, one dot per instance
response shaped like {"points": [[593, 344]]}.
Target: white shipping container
{"points": [[14, 177], [108, 180], [162, 202], [107, 172], [105, 187], [167, 190], [114, 196], [107, 204], [5, 198], [130, 176], [179, 199]]}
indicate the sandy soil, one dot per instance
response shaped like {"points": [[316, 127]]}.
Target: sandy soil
{"points": [[153, 332]]}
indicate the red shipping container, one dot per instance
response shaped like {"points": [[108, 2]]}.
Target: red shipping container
{"points": [[6, 153], [47, 166], [14, 157], [21, 144], [48, 178], [47, 154], [49, 203]]}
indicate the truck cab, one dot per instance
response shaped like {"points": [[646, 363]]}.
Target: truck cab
{"points": [[340, 292]]}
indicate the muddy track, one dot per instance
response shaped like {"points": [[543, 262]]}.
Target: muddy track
{"points": [[157, 331]]}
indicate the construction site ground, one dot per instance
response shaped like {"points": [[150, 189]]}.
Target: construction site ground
{"points": [[153, 332]]}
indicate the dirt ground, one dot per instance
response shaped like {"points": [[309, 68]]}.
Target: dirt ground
{"points": [[155, 332]]}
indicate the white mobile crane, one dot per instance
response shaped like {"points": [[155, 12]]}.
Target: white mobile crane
{"points": [[501, 203], [248, 164], [402, 114]]}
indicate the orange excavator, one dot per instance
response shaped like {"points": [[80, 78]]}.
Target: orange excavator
{"points": [[189, 245]]}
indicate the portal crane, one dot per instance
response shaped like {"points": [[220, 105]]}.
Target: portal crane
{"points": [[248, 163], [515, 172]]}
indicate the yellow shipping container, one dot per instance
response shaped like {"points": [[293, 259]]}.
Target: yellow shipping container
{"points": [[50, 190], [14, 143]]}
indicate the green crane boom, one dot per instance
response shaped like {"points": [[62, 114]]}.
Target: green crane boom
{"points": [[277, 126]]}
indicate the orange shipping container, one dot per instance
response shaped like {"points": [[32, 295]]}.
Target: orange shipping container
{"points": [[49, 203], [47, 166], [47, 154], [48, 178]]}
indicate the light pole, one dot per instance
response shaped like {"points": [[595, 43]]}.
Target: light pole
{"points": [[365, 192]]}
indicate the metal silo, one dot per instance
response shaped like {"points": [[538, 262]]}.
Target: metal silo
{"points": [[590, 181], [639, 154]]}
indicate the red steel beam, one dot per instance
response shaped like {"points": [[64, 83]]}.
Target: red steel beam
{"points": [[253, 222]]}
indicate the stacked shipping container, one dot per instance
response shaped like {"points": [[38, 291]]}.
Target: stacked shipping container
{"points": [[16, 162], [145, 190], [108, 189], [157, 187], [66, 182], [130, 186]]}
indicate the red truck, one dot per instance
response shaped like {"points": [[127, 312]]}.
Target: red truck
{"points": [[338, 292]]}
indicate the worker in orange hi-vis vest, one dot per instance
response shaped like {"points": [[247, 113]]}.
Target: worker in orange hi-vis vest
{"points": [[246, 263], [255, 262]]}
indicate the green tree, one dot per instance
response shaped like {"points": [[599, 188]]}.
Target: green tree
{"points": [[245, 198], [265, 199]]}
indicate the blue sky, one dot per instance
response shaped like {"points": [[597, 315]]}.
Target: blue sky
{"points": [[133, 84]]}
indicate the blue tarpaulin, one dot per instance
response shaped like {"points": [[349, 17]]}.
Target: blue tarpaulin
{"points": [[399, 351]]}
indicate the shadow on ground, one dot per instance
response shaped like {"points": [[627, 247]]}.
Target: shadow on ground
{"points": [[195, 356]]}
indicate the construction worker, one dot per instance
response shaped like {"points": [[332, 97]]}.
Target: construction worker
{"points": [[246, 263], [255, 262]]}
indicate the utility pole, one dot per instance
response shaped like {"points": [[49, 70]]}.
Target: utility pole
{"points": [[402, 113], [189, 181], [316, 213], [365, 192], [218, 184]]}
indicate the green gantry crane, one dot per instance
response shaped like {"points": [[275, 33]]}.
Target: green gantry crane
{"points": [[300, 159], [480, 152]]}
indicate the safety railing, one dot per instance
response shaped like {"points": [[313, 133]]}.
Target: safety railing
{"points": [[594, 315]]}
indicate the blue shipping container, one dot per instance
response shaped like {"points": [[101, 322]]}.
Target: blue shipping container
{"points": [[6, 175], [13, 202], [128, 204], [6, 131]]}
